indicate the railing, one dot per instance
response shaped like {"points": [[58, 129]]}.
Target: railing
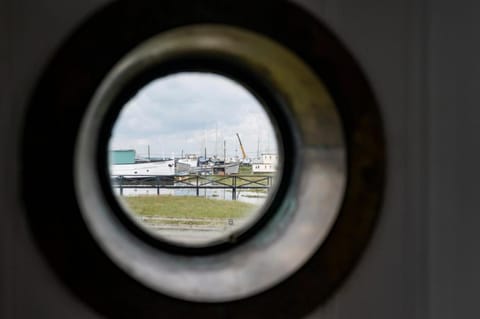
{"points": [[196, 182]]}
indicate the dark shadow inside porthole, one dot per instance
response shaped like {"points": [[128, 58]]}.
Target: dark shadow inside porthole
{"points": [[214, 188]]}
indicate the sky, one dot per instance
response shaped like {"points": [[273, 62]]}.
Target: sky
{"points": [[190, 111]]}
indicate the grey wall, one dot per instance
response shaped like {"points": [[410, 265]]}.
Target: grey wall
{"points": [[454, 176], [29, 32], [389, 40], [421, 59]]}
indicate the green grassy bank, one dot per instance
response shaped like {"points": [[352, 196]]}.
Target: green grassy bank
{"points": [[187, 207]]}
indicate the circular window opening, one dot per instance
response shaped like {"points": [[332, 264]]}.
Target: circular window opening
{"points": [[301, 204], [194, 159], [319, 213]]}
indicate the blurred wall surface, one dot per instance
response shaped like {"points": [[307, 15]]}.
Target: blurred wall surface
{"points": [[421, 58]]}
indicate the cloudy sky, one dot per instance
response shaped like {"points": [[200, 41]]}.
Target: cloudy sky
{"points": [[191, 111]]}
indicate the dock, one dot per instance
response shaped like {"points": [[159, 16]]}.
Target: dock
{"points": [[235, 183]]}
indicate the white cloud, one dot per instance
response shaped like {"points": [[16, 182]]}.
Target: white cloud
{"points": [[190, 111]]}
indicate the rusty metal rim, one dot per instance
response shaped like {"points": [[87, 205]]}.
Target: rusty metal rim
{"points": [[302, 219], [67, 85]]}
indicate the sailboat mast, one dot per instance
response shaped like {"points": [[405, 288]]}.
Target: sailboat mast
{"points": [[224, 151], [216, 138]]}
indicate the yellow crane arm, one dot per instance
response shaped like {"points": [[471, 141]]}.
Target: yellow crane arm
{"points": [[241, 147]]}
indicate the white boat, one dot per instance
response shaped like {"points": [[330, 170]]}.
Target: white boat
{"points": [[212, 166], [267, 163], [181, 168], [144, 169], [124, 163], [226, 169], [190, 159]]}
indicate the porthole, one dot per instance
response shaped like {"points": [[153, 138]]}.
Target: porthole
{"points": [[317, 145], [200, 185], [322, 208]]}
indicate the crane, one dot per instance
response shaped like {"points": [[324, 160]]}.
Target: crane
{"points": [[244, 155]]}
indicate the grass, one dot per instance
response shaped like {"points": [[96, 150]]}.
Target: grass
{"points": [[245, 170], [187, 207]]}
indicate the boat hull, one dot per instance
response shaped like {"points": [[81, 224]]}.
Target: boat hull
{"points": [[160, 168]]}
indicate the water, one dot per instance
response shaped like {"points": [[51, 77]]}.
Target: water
{"points": [[245, 196]]}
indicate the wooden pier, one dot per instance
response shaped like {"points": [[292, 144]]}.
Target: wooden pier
{"points": [[234, 183]]}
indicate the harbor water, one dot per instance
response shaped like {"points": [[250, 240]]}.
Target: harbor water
{"points": [[246, 196]]}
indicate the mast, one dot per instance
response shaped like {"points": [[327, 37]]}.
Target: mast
{"points": [[216, 138], [224, 151], [258, 146]]}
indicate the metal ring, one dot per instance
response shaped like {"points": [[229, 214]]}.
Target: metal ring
{"points": [[58, 104], [300, 224]]}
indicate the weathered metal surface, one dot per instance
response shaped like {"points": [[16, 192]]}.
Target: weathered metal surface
{"points": [[289, 238], [58, 105]]}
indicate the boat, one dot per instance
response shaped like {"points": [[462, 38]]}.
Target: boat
{"points": [[144, 169], [125, 163], [190, 159], [267, 163], [181, 168], [199, 165], [222, 168]]}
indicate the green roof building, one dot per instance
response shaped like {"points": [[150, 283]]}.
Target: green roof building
{"points": [[122, 157]]}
